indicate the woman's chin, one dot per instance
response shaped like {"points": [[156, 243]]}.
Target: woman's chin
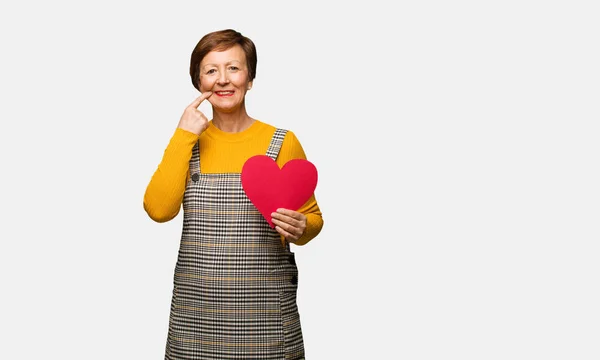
{"points": [[226, 109]]}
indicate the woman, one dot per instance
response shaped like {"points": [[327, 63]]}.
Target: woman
{"points": [[235, 283]]}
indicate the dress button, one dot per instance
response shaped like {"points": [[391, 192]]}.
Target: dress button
{"points": [[294, 280], [195, 177]]}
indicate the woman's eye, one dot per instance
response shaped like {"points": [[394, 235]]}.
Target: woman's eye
{"points": [[233, 68], [211, 71]]}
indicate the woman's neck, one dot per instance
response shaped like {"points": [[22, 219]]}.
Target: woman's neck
{"points": [[232, 122]]}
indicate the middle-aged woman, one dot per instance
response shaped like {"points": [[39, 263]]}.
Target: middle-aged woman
{"points": [[236, 279]]}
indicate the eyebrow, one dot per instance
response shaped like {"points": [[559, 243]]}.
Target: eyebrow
{"points": [[227, 63]]}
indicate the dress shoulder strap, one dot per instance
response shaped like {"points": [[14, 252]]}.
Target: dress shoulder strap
{"points": [[275, 144]]}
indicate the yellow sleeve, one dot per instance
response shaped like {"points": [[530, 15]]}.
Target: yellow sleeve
{"points": [[292, 149], [164, 194]]}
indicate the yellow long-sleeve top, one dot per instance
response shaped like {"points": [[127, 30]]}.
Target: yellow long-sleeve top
{"points": [[220, 152]]}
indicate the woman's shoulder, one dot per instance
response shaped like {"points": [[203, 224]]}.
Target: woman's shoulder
{"points": [[267, 127], [290, 147]]}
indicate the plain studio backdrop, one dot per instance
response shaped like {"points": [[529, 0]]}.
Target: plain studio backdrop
{"points": [[457, 145]]}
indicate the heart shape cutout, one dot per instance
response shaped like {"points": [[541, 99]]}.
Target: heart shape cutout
{"points": [[269, 188]]}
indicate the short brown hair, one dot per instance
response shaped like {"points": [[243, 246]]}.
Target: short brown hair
{"points": [[219, 41]]}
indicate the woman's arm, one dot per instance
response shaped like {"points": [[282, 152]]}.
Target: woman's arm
{"points": [[164, 194], [292, 149]]}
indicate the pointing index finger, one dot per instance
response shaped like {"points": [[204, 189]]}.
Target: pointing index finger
{"points": [[200, 99]]}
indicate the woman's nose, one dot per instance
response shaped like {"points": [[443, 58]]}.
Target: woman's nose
{"points": [[223, 79]]}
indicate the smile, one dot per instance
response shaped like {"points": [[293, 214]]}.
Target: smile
{"points": [[224, 93]]}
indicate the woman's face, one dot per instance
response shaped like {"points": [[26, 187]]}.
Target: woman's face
{"points": [[225, 73]]}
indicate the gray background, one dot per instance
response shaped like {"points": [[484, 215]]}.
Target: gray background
{"points": [[457, 148]]}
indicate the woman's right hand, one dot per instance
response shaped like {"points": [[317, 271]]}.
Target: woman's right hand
{"points": [[193, 120]]}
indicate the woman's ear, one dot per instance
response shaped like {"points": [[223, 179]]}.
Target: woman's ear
{"points": [[249, 85]]}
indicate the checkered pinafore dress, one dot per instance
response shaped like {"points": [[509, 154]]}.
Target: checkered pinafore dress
{"points": [[234, 293]]}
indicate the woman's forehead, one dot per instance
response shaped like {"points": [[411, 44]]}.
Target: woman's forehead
{"points": [[227, 56]]}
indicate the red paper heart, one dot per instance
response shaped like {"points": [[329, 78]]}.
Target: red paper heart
{"points": [[269, 188]]}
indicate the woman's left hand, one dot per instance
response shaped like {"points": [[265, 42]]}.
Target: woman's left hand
{"points": [[289, 223]]}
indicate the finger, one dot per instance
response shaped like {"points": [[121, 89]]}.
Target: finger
{"points": [[284, 233], [290, 229], [200, 99], [285, 219], [291, 213]]}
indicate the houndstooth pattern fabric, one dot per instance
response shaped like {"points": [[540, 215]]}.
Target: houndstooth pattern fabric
{"points": [[234, 293]]}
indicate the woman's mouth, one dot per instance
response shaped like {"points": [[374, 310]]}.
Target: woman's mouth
{"points": [[224, 93]]}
